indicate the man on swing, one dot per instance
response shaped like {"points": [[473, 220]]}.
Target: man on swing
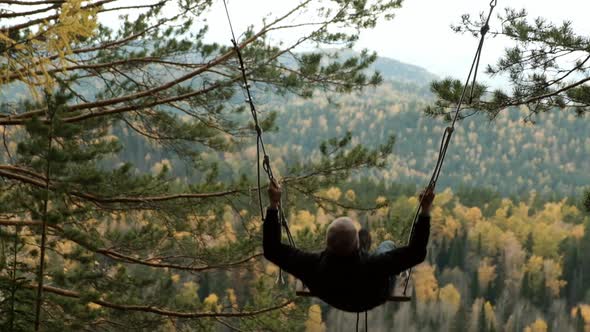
{"points": [[345, 275]]}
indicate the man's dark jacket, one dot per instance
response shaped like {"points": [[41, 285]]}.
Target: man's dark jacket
{"points": [[355, 283]]}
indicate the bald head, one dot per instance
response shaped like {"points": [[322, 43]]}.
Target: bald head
{"points": [[342, 237]]}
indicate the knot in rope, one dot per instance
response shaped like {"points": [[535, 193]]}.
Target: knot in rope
{"points": [[258, 129], [484, 29], [267, 168]]}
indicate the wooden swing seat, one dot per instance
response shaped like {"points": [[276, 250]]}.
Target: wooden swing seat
{"points": [[392, 298], [302, 291]]}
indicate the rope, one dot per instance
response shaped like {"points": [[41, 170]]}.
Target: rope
{"points": [[260, 147], [448, 133], [358, 314], [445, 141]]}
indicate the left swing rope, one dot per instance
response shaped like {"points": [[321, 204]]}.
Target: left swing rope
{"points": [[259, 142]]}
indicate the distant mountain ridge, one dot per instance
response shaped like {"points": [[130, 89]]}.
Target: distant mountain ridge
{"points": [[394, 70], [505, 155]]}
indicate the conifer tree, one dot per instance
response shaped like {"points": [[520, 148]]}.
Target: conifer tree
{"points": [[474, 286], [414, 304], [497, 286], [571, 270], [548, 67], [479, 246], [579, 321], [442, 259], [95, 234], [525, 286], [482, 323], [460, 320], [457, 250], [529, 244]]}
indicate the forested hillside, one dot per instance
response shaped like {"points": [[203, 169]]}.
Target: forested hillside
{"points": [[128, 176], [513, 267], [495, 263], [508, 155]]}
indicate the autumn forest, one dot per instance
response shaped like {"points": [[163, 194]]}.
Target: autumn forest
{"points": [[128, 170]]}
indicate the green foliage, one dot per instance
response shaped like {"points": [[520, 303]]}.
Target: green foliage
{"points": [[509, 158], [547, 69], [126, 133], [151, 215]]}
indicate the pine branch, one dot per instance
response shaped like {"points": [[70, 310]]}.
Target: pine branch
{"points": [[321, 201], [31, 3], [7, 172], [18, 223], [112, 254], [31, 12], [93, 67], [106, 46], [165, 312], [40, 20], [547, 95], [17, 119], [161, 101], [153, 5], [128, 259], [22, 118]]}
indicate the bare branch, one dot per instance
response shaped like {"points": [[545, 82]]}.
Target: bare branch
{"points": [[31, 3], [38, 181], [31, 12], [50, 17], [164, 312]]}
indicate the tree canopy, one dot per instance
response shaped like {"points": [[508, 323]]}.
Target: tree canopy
{"points": [[547, 68], [97, 232]]}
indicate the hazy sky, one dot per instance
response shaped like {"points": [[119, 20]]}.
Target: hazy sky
{"points": [[420, 33]]}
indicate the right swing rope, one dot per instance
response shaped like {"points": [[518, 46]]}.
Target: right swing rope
{"points": [[446, 139]]}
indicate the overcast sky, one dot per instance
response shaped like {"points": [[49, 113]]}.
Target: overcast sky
{"points": [[420, 33]]}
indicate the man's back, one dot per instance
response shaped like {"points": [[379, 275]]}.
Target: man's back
{"points": [[356, 282], [349, 283]]}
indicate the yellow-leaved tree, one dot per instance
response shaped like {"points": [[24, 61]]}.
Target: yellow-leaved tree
{"points": [[40, 48], [539, 325], [425, 283], [450, 299], [314, 321]]}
